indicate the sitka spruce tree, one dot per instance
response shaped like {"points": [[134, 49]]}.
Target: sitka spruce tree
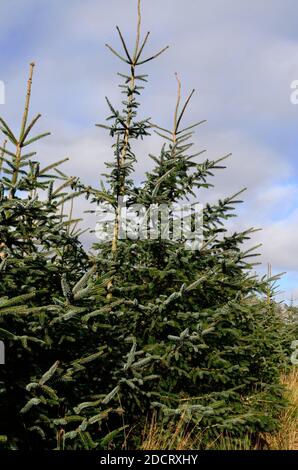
{"points": [[148, 325], [37, 243]]}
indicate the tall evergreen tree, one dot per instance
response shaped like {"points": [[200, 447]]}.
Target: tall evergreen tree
{"points": [[38, 243], [147, 325]]}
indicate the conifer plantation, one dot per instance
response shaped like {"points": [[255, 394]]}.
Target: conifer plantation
{"points": [[97, 344]]}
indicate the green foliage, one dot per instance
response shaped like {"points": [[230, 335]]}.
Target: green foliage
{"points": [[93, 345]]}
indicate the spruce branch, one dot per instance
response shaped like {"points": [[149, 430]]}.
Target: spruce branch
{"points": [[184, 109], [153, 56], [124, 45], [176, 109], [117, 54], [29, 128], [142, 48], [2, 150], [7, 131]]}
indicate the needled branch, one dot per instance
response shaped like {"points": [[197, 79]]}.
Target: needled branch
{"points": [[177, 108], [2, 154], [178, 118]]}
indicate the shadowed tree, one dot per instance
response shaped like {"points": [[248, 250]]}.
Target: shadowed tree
{"points": [[147, 325]]}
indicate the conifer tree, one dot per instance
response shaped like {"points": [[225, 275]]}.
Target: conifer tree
{"points": [[145, 326], [37, 242]]}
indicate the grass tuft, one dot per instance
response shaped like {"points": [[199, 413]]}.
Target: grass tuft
{"points": [[180, 436]]}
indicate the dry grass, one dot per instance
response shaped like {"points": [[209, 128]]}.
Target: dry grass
{"points": [[179, 436], [170, 437], [287, 437]]}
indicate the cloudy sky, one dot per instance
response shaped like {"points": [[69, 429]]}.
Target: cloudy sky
{"points": [[240, 56]]}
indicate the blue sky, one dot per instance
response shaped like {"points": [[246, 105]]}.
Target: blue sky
{"points": [[241, 58]]}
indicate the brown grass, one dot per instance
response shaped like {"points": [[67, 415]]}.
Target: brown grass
{"points": [[170, 437], [287, 437], [179, 436]]}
